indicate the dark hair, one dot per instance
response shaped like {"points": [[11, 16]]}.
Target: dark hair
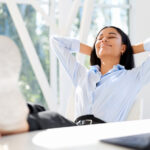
{"points": [[126, 59]]}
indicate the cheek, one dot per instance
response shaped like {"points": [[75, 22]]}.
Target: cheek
{"points": [[97, 44], [97, 52], [117, 46], [97, 47], [117, 50]]}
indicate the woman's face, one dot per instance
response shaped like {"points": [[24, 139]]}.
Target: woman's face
{"points": [[109, 44]]}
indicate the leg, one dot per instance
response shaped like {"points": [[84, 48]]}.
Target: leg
{"points": [[46, 120], [53, 120]]}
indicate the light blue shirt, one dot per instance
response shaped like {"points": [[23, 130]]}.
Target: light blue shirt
{"points": [[108, 97]]}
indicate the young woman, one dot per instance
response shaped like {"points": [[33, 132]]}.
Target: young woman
{"points": [[104, 93], [107, 91]]}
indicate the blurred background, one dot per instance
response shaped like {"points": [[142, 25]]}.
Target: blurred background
{"points": [[30, 23]]}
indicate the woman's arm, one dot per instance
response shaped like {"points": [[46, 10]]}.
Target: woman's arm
{"points": [[143, 71], [63, 48], [145, 46], [138, 48], [85, 49]]}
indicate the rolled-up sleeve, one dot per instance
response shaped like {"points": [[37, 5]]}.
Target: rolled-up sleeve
{"points": [[147, 45], [63, 48]]}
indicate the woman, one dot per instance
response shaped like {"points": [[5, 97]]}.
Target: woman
{"points": [[102, 92], [107, 91]]}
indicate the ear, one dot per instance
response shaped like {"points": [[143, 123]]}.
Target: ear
{"points": [[123, 48]]}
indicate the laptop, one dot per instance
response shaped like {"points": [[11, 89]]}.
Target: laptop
{"points": [[138, 142]]}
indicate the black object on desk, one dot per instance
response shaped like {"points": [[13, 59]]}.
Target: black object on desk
{"points": [[138, 142]]}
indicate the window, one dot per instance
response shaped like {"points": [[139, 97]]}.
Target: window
{"points": [[39, 34], [105, 12]]}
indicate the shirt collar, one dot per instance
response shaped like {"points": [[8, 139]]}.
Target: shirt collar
{"points": [[117, 67], [95, 68]]}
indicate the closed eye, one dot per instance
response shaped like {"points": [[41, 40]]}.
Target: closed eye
{"points": [[111, 37]]}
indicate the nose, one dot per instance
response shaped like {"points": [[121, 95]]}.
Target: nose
{"points": [[104, 39]]}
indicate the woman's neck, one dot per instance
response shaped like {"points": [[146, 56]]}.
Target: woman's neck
{"points": [[107, 65]]}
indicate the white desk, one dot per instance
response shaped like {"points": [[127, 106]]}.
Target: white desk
{"points": [[74, 138]]}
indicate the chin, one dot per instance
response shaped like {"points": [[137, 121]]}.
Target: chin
{"points": [[102, 56]]}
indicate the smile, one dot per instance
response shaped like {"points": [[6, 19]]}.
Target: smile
{"points": [[103, 45]]}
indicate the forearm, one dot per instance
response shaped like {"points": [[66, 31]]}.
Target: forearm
{"points": [[85, 49], [138, 48], [145, 46]]}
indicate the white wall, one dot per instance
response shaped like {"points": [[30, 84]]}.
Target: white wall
{"points": [[139, 31], [139, 20]]}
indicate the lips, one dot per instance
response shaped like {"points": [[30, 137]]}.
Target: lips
{"points": [[105, 45]]}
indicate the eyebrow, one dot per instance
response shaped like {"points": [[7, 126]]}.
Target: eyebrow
{"points": [[109, 33], [112, 33]]}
